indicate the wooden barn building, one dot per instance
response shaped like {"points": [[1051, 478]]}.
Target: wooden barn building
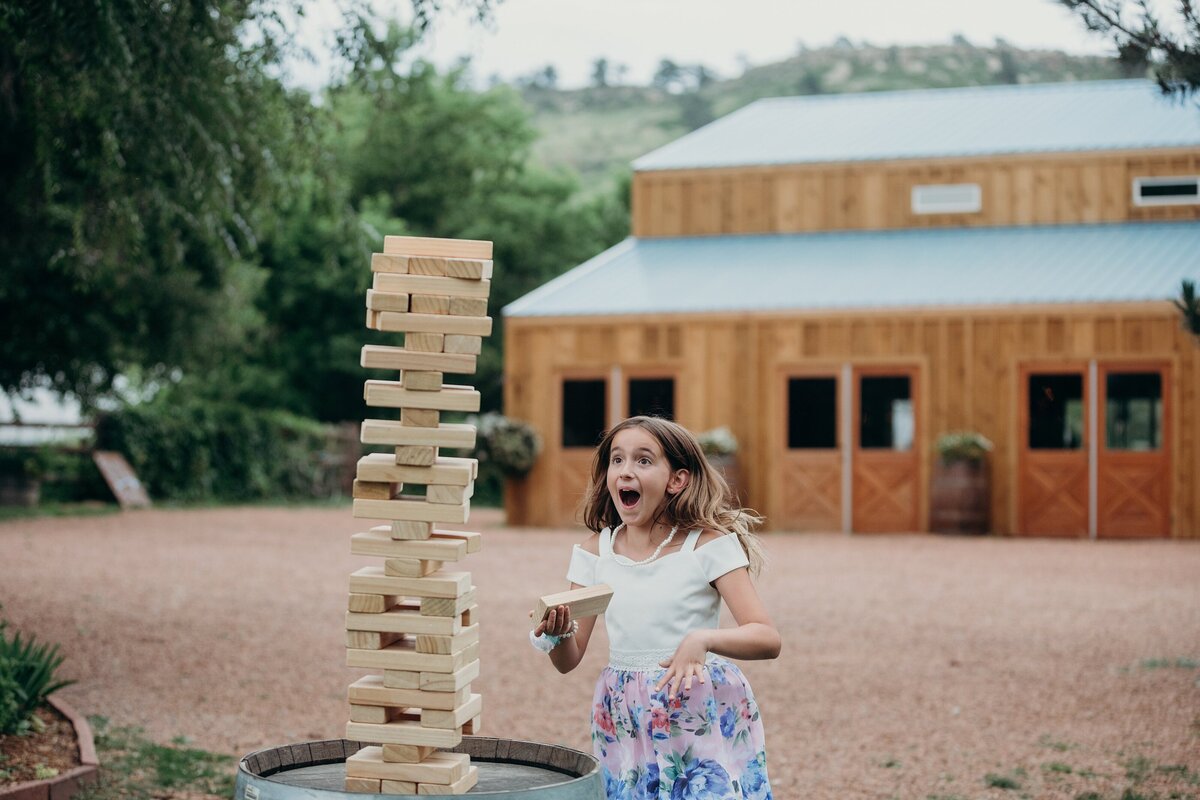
{"points": [[841, 279]]}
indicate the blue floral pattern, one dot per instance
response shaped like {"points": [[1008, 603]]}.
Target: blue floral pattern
{"points": [[707, 745]]}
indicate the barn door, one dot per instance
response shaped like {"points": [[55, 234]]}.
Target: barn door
{"points": [[885, 475], [583, 420], [1052, 492], [812, 463], [1133, 467]]}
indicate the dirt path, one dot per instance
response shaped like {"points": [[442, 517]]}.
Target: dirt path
{"points": [[913, 666]]}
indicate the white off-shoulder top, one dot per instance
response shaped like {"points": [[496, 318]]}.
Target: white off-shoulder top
{"points": [[655, 605]]}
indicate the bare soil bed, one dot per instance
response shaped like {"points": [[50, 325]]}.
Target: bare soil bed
{"points": [[913, 666]]}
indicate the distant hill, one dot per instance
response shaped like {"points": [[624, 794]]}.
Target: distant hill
{"points": [[598, 131]]}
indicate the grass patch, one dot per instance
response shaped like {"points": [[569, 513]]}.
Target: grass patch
{"points": [[998, 781], [890, 763], [1089, 796], [135, 767], [1169, 663], [1137, 768], [1059, 767], [1049, 742]]}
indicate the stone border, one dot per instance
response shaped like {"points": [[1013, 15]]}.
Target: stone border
{"points": [[64, 786]]}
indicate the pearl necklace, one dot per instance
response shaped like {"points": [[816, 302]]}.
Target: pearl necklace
{"points": [[657, 550]]}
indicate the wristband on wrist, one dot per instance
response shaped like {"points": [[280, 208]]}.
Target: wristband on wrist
{"points": [[547, 642]]}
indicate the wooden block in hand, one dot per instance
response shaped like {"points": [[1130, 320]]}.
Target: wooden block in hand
{"points": [[422, 380], [589, 601], [410, 567], [367, 603], [429, 304], [469, 345], [435, 718], [439, 248]]}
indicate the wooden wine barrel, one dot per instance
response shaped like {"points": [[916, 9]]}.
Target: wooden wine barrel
{"points": [[961, 498], [508, 768]]}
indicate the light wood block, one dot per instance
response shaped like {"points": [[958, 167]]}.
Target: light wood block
{"points": [[469, 268], [474, 727], [405, 617], [442, 585], [403, 656], [453, 682], [379, 715], [590, 601], [442, 248], [372, 320], [448, 434], [402, 732], [414, 285], [439, 767], [468, 345], [371, 640], [415, 456], [382, 467], [429, 304], [445, 645], [425, 342], [379, 542], [380, 356], [410, 567], [366, 603], [394, 394], [447, 607], [420, 417], [369, 785], [436, 718], [451, 495], [421, 380], [402, 679], [474, 539], [461, 786], [412, 510], [397, 787], [469, 617], [387, 301], [382, 262], [406, 753], [370, 690], [369, 490], [407, 530], [396, 322], [468, 306]]}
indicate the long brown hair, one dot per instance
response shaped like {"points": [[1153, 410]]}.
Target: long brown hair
{"points": [[706, 502]]}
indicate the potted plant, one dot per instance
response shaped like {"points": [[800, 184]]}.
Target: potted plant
{"points": [[720, 447], [961, 489]]}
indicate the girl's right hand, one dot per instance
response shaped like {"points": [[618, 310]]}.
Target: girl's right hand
{"points": [[556, 623]]}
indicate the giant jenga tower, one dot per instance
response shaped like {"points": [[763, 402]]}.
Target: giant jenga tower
{"points": [[411, 618]]}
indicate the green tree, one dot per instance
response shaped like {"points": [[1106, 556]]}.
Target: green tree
{"points": [[141, 147], [600, 73], [1141, 42]]}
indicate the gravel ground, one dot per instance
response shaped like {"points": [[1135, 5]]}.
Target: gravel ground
{"points": [[913, 666]]}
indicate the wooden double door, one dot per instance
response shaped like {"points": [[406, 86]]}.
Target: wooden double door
{"points": [[850, 457], [1093, 458]]}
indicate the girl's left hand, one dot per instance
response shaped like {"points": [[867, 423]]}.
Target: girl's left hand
{"points": [[687, 663]]}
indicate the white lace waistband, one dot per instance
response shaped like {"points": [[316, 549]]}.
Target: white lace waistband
{"points": [[642, 660]]}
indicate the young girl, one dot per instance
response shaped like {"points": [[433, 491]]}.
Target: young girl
{"points": [[672, 719]]}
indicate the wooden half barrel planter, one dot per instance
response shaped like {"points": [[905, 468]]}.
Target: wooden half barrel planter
{"points": [[508, 769], [961, 497]]}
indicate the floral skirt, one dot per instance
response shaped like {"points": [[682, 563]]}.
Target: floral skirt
{"points": [[707, 745]]}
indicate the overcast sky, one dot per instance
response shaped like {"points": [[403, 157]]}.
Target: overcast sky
{"points": [[525, 35]]}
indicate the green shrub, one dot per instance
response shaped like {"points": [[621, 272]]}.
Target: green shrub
{"points": [[193, 449], [27, 678], [963, 446]]}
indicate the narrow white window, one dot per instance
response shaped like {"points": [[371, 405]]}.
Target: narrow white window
{"points": [[1172, 191], [947, 198]]}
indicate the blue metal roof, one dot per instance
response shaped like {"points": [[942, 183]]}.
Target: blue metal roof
{"points": [[876, 269], [935, 123]]}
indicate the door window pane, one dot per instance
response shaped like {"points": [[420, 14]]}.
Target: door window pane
{"points": [[812, 413], [583, 413], [1055, 412], [886, 413], [1133, 411], [653, 397]]}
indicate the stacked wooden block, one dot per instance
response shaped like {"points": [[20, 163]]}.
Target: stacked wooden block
{"points": [[412, 618]]}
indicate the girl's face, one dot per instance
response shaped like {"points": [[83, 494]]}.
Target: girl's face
{"points": [[640, 478]]}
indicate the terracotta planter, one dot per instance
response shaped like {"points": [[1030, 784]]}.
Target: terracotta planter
{"points": [[66, 785], [961, 497]]}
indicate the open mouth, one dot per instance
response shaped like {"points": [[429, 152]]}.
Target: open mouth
{"points": [[629, 497]]}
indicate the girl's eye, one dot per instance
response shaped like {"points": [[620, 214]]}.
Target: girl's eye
{"points": [[645, 462]]}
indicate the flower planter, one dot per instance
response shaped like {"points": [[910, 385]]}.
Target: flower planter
{"points": [[67, 784], [961, 497]]}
